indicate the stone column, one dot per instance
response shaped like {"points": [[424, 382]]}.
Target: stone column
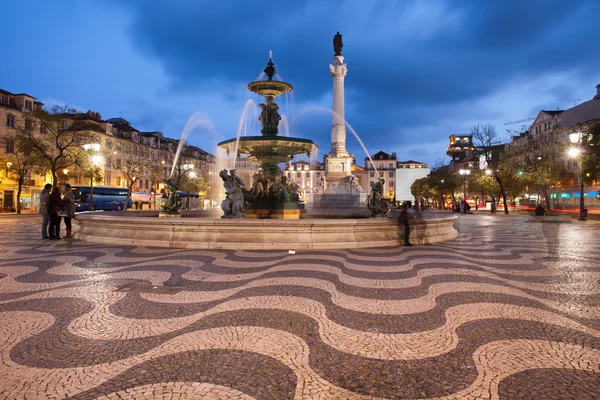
{"points": [[338, 130]]}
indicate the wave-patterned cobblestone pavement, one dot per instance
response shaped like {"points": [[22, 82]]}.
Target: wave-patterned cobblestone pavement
{"points": [[509, 310]]}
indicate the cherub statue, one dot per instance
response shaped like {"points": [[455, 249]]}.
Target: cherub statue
{"points": [[234, 201]]}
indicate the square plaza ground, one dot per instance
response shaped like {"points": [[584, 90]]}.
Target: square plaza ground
{"points": [[509, 310]]}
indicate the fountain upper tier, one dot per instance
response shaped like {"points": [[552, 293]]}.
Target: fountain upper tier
{"points": [[270, 89], [274, 150]]}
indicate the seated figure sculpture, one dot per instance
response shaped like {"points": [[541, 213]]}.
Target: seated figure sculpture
{"points": [[234, 202], [171, 202], [376, 203]]}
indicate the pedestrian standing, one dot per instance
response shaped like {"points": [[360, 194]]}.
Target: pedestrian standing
{"points": [[56, 208], [70, 209], [44, 198], [405, 224]]}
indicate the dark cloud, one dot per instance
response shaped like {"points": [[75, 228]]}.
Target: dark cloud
{"points": [[407, 64]]}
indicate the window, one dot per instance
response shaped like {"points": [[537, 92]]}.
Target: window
{"points": [[28, 105], [4, 99], [391, 174], [381, 174], [391, 184], [147, 184], [298, 175], [28, 125], [372, 174], [10, 120], [318, 174], [308, 174], [135, 137], [10, 145], [391, 166], [108, 143], [118, 163], [42, 129], [380, 165]]}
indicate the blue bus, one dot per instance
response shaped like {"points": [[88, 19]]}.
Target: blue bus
{"points": [[105, 198]]}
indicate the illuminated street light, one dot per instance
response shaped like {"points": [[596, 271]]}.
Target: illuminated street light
{"points": [[192, 174], [464, 173], [488, 171], [575, 152]]}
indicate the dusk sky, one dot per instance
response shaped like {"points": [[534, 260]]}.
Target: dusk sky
{"points": [[418, 71]]}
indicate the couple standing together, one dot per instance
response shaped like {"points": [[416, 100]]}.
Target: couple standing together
{"points": [[53, 207]]}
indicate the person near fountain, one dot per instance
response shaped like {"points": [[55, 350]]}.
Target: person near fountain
{"points": [[70, 209], [234, 201], [44, 200], [403, 219], [56, 209]]}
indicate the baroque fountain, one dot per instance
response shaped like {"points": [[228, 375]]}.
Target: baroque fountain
{"points": [[268, 214], [270, 195]]}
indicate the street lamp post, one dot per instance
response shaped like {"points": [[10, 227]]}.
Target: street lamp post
{"points": [[464, 173], [576, 138], [95, 160]]}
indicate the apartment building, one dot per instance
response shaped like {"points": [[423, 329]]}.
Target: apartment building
{"points": [[13, 109], [115, 140], [381, 165]]}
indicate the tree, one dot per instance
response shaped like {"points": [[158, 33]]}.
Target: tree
{"points": [[55, 138], [590, 159], [134, 163], [538, 163], [20, 162], [486, 139], [484, 185]]}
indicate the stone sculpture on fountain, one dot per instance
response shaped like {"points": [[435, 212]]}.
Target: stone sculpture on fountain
{"points": [[376, 203], [171, 203], [234, 202]]}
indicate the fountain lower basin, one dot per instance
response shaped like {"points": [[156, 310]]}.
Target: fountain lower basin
{"points": [[202, 230]]}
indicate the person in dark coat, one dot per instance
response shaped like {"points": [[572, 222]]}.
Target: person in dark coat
{"points": [[55, 204], [44, 199], [540, 210], [405, 224]]}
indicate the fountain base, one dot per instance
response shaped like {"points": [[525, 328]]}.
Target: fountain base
{"points": [[290, 210], [163, 214], [144, 229]]}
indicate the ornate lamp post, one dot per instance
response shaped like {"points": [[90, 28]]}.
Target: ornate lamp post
{"points": [[575, 152], [95, 160], [464, 173]]}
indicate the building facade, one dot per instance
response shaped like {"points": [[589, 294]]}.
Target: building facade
{"points": [[114, 140], [13, 109], [381, 166]]}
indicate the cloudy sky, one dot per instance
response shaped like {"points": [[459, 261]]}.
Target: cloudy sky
{"points": [[418, 71]]}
